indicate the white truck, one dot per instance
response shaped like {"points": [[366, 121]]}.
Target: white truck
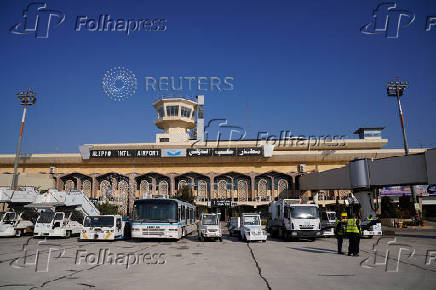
{"points": [[61, 213], [18, 220], [328, 222], [209, 227], [251, 228], [103, 227], [289, 219]]}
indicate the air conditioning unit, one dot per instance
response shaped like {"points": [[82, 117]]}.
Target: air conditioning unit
{"points": [[52, 170], [301, 168]]}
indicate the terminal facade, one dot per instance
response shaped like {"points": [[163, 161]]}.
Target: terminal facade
{"points": [[219, 172]]}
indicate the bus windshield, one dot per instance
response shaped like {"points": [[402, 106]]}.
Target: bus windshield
{"points": [[155, 211], [99, 221], [209, 220], [304, 212], [251, 220], [45, 217]]}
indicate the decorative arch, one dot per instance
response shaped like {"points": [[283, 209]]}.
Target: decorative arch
{"points": [[283, 186], [105, 190], [86, 187], [202, 190], [163, 187], [144, 188], [123, 191], [222, 189], [262, 189], [181, 184], [242, 190], [69, 185]]}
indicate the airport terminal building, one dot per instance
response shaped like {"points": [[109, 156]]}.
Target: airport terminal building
{"points": [[219, 172]]}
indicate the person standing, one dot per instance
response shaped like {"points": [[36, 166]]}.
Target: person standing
{"points": [[340, 231], [353, 233]]}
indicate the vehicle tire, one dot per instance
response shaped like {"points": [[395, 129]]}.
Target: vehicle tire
{"points": [[18, 233], [201, 238], [68, 234], [312, 239], [370, 237], [220, 239]]}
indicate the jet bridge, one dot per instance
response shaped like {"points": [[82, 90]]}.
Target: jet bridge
{"points": [[364, 175]]}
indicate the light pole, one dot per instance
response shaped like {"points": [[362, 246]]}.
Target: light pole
{"points": [[26, 99], [396, 89]]}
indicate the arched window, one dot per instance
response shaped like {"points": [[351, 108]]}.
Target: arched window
{"points": [[262, 189], [86, 187], [105, 190], [283, 186], [123, 191], [144, 189], [242, 190], [222, 189], [202, 190], [69, 185], [163, 187]]}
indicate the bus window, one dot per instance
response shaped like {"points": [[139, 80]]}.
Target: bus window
{"points": [[118, 224]]}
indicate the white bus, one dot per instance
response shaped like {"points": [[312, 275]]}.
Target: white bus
{"points": [[162, 218], [103, 227]]}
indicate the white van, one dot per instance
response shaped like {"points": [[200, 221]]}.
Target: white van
{"points": [[209, 227], [103, 227]]}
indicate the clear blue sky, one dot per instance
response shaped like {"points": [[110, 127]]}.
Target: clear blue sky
{"points": [[298, 65]]}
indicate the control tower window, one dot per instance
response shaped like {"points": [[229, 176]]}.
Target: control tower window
{"points": [[186, 112], [160, 112], [172, 111]]}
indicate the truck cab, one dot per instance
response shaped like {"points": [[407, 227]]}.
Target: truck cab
{"points": [[289, 219], [209, 227], [251, 229], [103, 227], [56, 224], [15, 224], [328, 222]]}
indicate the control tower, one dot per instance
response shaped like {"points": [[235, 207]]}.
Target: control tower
{"points": [[178, 115]]}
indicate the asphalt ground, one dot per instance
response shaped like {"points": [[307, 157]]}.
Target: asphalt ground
{"points": [[406, 261]]}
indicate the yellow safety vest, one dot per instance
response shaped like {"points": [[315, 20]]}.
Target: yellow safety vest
{"points": [[352, 226]]}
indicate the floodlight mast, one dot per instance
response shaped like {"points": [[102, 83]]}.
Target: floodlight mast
{"points": [[396, 89], [26, 99]]}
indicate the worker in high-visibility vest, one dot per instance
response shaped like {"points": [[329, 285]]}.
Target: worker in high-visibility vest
{"points": [[340, 231], [353, 233]]}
